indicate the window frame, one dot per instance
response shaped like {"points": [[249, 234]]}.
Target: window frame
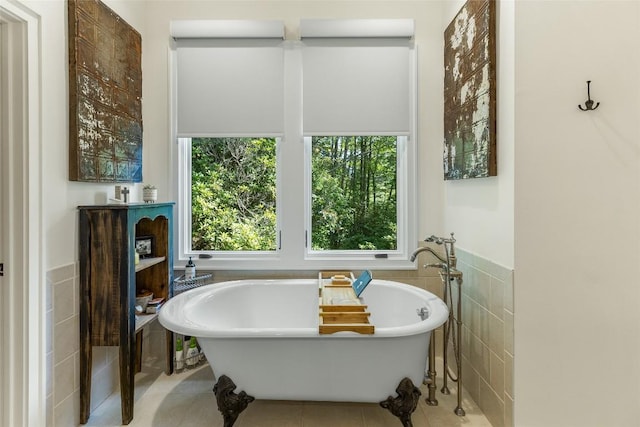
{"points": [[402, 209], [293, 176]]}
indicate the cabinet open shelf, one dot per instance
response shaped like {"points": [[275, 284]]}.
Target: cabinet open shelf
{"points": [[148, 262], [144, 319]]}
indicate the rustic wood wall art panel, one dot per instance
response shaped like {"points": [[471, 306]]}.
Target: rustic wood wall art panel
{"points": [[105, 95], [470, 92]]}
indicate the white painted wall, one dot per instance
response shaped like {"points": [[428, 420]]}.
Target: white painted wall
{"points": [[563, 209], [480, 211], [577, 229]]}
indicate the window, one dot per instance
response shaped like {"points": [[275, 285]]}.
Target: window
{"points": [[353, 193], [305, 162], [233, 194]]}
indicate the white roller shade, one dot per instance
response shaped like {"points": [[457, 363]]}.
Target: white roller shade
{"points": [[226, 29], [356, 86], [357, 28], [230, 87]]}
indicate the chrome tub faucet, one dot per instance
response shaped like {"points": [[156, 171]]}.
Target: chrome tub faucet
{"points": [[449, 250], [453, 327]]}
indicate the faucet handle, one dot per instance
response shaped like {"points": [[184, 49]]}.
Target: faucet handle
{"points": [[440, 265]]}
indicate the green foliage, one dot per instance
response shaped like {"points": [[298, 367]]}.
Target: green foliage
{"points": [[354, 193], [233, 194]]}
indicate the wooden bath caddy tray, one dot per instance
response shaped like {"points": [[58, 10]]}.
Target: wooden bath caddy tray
{"points": [[339, 309]]}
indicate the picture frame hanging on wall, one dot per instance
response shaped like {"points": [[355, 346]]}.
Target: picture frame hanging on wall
{"points": [[470, 92], [105, 95]]}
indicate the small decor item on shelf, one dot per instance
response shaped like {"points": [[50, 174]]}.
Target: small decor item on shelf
{"points": [[190, 270], [142, 300], [144, 246], [117, 198], [154, 305], [149, 193], [125, 194]]}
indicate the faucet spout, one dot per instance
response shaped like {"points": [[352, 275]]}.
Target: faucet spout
{"points": [[427, 249]]}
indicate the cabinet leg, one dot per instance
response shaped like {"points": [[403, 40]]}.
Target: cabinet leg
{"points": [[138, 352], [169, 353], [85, 382], [127, 378]]}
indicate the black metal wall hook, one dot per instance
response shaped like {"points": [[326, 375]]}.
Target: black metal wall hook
{"points": [[588, 103]]}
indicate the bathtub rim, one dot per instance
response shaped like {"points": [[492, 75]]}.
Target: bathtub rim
{"points": [[173, 315]]}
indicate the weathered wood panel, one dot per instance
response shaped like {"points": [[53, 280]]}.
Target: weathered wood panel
{"points": [[105, 95], [470, 92]]}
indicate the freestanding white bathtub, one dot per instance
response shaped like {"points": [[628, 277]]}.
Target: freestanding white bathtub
{"points": [[263, 334]]}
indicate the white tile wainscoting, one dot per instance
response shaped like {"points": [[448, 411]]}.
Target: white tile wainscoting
{"points": [[487, 336]]}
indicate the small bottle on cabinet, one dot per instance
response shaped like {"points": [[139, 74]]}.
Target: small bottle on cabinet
{"points": [[190, 270]]}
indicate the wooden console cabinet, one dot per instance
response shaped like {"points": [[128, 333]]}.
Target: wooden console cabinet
{"points": [[109, 282]]}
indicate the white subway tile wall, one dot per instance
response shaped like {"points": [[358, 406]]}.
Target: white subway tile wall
{"points": [[487, 336]]}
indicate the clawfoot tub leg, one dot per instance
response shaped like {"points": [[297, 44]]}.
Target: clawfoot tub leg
{"points": [[405, 403], [230, 404]]}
